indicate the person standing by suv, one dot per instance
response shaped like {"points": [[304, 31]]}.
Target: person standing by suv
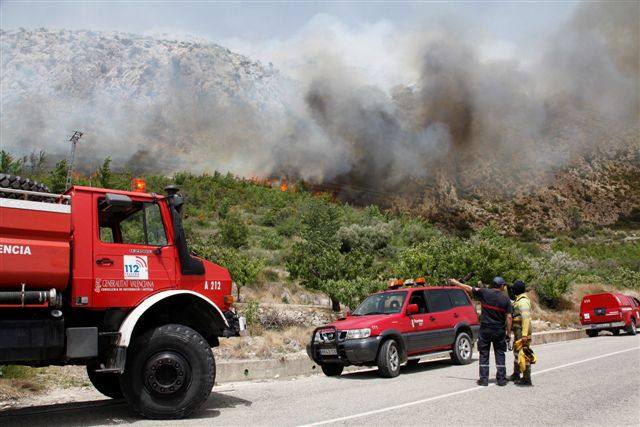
{"points": [[495, 326]]}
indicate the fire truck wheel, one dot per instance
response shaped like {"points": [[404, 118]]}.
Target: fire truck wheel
{"points": [[107, 384], [389, 359], [633, 328], [332, 369], [592, 333], [19, 183], [169, 372], [462, 349]]}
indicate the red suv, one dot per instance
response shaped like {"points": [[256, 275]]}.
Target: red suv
{"points": [[609, 312], [396, 326]]}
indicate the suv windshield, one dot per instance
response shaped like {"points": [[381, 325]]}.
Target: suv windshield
{"points": [[384, 303]]}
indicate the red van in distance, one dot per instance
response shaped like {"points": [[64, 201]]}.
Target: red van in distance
{"points": [[609, 312], [396, 326]]}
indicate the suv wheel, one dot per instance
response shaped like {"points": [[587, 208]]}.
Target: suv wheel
{"points": [[169, 372], [332, 369], [633, 328], [462, 349], [615, 332], [389, 359], [592, 333]]}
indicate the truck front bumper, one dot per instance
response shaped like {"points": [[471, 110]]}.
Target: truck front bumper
{"points": [[236, 323], [603, 325], [347, 352]]}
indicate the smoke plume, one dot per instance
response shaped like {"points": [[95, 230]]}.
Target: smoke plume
{"points": [[374, 111]]}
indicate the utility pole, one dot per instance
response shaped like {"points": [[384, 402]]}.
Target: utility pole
{"points": [[74, 140]]}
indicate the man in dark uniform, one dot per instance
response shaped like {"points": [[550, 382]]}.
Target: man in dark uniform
{"points": [[495, 326]]}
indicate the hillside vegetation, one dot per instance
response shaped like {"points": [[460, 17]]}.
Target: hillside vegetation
{"points": [[263, 234]]}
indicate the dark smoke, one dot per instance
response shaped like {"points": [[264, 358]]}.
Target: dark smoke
{"points": [[480, 125]]}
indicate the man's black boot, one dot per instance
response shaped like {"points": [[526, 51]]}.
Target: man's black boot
{"points": [[524, 382], [482, 382], [514, 377], [502, 383]]}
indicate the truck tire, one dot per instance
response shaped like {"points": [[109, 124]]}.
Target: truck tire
{"points": [[332, 369], [633, 328], [389, 359], [169, 373], [462, 353], [592, 333], [107, 384], [19, 183]]}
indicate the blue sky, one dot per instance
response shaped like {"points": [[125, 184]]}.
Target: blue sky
{"points": [[513, 21]]}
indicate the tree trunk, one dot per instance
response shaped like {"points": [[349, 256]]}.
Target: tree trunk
{"points": [[335, 304]]}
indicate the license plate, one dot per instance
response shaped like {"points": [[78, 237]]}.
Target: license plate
{"points": [[600, 325], [328, 352]]}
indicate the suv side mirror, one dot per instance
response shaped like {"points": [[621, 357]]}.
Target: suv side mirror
{"points": [[412, 309]]}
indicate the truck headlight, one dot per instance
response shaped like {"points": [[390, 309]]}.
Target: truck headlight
{"points": [[354, 334]]}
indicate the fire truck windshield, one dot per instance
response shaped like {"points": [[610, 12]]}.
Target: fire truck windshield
{"points": [[382, 303]]}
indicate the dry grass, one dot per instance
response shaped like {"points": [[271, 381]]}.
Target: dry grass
{"points": [[282, 292], [269, 344], [22, 381]]}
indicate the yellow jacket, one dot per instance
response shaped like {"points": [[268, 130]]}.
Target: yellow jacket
{"points": [[522, 313]]}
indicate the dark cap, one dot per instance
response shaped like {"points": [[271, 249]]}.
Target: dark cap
{"points": [[498, 282], [519, 287]]}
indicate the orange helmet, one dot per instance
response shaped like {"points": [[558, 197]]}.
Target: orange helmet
{"points": [[420, 281]]}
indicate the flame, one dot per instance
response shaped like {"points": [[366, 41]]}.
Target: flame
{"points": [[283, 185]]}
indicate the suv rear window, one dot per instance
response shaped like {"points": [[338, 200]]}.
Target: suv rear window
{"points": [[438, 300], [459, 298]]}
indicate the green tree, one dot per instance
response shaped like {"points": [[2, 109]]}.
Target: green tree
{"points": [[233, 231], [9, 164], [58, 177], [242, 268], [104, 173], [316, 259]]}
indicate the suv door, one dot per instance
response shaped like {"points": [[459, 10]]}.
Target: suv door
{"points": [[440, 320], [132, 257], [417, 337]]}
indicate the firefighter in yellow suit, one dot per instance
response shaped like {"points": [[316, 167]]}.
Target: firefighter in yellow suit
{"points": [[521, 335]]}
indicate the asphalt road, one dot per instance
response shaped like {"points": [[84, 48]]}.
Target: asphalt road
{"points": [[592, 381]]}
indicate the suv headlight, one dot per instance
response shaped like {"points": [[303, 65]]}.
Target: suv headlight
{"points": [[354, 334]]}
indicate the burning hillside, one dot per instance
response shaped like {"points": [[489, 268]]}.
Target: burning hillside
{"points": [[465, 126]]}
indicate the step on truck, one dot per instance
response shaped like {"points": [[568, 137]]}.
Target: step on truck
{"points": [[104, 278]]}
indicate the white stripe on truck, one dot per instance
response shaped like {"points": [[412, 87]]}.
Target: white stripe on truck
{"points": [[34, 206]]}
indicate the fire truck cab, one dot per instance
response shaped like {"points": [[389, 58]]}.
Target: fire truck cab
{"points": [[104, 278]]}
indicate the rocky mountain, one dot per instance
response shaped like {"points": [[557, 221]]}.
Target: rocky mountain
{"points": [[131, 95]]}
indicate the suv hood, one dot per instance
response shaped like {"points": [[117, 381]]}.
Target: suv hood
{"points": [[359, 322]]}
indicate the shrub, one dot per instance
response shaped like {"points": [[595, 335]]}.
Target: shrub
{"points": [[233, 231], [271, 241], [554, 276], [58, 177], [368, 238]]}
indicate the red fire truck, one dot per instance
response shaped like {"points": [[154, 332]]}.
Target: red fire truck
{"points": [[104, 278]]}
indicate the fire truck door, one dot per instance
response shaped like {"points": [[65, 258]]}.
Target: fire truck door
{"points": [[131, 256]]}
